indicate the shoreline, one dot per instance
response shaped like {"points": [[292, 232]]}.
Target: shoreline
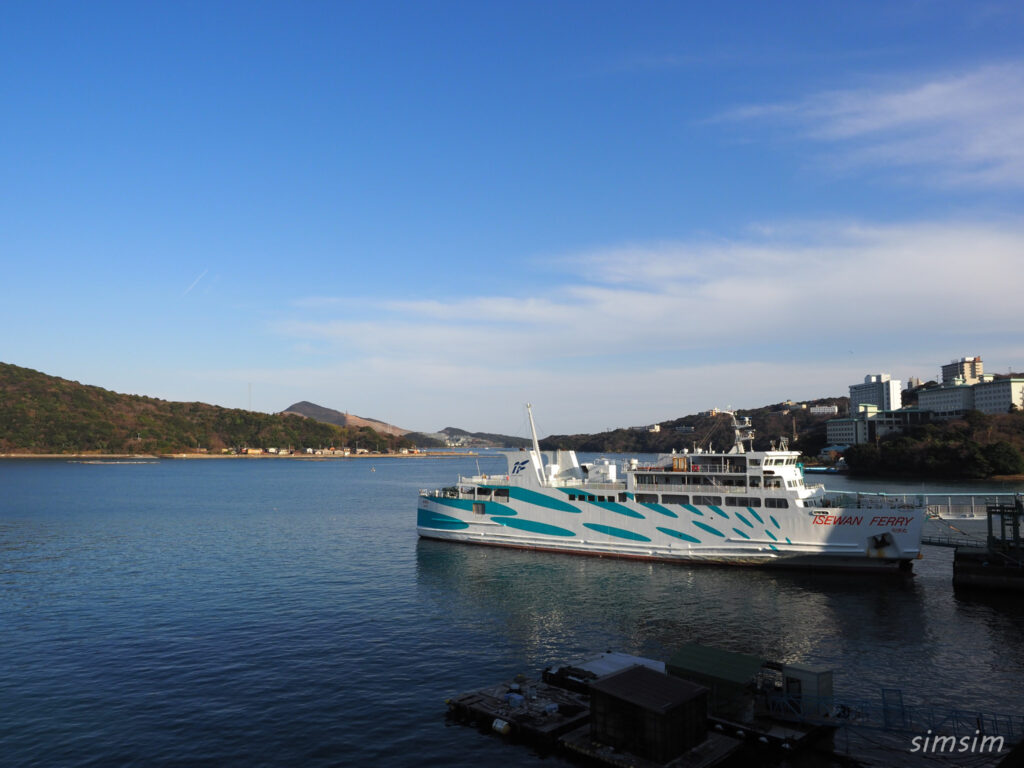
{"points": [[219, 456]]}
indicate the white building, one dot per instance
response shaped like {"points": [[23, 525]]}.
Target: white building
{"points": [[998, 395], [878, 389], [823, 410], [871, 423], [947, 402], [842, 431]]}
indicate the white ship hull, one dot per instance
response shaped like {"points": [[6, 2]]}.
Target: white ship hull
{"points": [[740, 507], [782, 538]]}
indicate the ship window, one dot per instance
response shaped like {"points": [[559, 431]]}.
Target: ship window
{"points": [[674, 498], [647, 498], [707, 500], [501, 493], [742, 501], [755, 462], [776, 503], [590, 498], [572, 497], [755, 482], [622, 497]]}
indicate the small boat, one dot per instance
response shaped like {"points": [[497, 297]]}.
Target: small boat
{"points": [[741, 506]]}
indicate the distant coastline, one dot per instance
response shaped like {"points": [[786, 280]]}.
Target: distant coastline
{"points": [[218, 456]]}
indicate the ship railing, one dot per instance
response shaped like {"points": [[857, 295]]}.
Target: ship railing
{"points": [[695, 467], [440, 493], [674, 488], [855, 500], [620, 486], [964, 504], [956, 510]]}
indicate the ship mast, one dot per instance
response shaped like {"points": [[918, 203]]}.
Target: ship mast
{"points": [[533, 430]]}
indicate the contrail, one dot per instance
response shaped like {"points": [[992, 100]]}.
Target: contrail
{"points": [[195, 282]]}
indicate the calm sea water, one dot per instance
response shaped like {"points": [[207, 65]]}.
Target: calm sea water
{"points": [[247, 613]]}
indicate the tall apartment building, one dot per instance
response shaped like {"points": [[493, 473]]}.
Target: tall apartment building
{"points": [[878, 389], [969, 369]]}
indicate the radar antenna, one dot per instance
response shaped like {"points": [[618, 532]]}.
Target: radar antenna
{"points": [[743, 431]]}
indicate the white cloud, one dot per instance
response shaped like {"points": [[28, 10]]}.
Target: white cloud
{"points": [[964, 129], [659, 331]]}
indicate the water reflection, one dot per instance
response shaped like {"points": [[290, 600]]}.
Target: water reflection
{"points": [[553, 606]]}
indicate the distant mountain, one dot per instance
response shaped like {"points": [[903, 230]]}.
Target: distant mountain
{"points": [[46, 414], [447, 436], [331, 416], [460, 437]]}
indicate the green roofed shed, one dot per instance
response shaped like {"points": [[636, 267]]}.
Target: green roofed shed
{"points": [[730, 677]]}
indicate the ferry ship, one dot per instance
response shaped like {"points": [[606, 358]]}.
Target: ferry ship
{"points": [[740, 506]]}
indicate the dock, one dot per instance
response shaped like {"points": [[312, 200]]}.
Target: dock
{"points": [[529, 710], [999, 563], [707, 707]]}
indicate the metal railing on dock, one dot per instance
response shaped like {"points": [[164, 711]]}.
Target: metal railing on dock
{"points": [[891, 714], [952, 541]]}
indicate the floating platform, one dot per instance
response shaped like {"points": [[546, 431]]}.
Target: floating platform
{"points": [[529, 710], [982, 568], [1000, 565]]}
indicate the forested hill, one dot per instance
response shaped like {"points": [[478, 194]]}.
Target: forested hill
{"points": [[44, 414], [976, 446], [804, 430]]}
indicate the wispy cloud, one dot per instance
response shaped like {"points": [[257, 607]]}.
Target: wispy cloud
{"points": [[799, 308], [964, 129]]}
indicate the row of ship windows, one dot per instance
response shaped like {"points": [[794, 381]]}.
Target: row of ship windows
{"points": [[774, 462], [730, 501], [499, 493], [664, 498], [707, 480], [589, 497], [675, 498]]}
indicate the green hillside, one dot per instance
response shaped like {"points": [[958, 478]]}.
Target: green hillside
{"points": [[42, 414], [976, 446], [804, 431]]}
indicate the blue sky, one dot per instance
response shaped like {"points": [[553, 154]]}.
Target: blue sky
{"points": [[432, 212]]}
